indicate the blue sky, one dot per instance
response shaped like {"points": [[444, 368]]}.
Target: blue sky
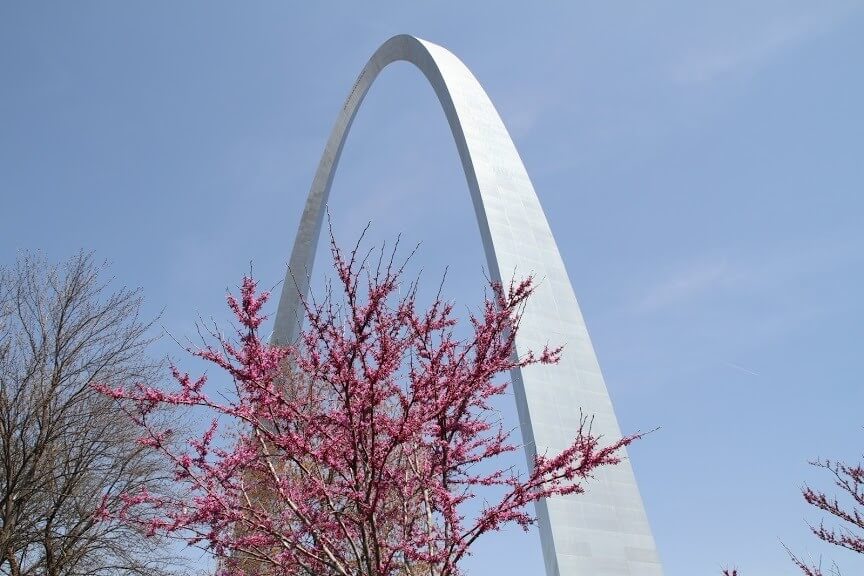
{"points": [[702, 166]]}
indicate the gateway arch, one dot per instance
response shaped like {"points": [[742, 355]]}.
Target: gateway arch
{"points": [[605, 531]]}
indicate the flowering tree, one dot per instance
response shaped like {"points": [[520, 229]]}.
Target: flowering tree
{"points": [[850, 535], [361, 449], [850, 479]]}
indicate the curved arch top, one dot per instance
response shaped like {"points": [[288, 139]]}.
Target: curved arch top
{"points": [[605, 531]]}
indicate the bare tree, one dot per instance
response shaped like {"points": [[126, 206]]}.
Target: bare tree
{"points": [[67, 454]]}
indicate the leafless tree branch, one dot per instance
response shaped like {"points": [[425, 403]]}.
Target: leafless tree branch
{"points": [[66, 451]]}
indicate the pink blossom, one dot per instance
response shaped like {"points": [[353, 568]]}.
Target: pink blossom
{"points": [[358, 449]]}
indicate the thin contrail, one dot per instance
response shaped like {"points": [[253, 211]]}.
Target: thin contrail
{"points": [[742, 369]]}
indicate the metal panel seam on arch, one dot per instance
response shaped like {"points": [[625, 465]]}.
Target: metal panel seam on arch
{"points": [[605, 531]]}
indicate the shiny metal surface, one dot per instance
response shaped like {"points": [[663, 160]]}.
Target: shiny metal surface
{"points": [[604, 532]]}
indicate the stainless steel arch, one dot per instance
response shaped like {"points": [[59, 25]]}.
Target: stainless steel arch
{"points": [[604, 532]]}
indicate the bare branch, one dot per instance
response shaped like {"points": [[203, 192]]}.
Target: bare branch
{"points": [[66, 452]]}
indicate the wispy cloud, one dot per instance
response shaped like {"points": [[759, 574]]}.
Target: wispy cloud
{"points": [[684, 284], [747, 53], [768, 276]]}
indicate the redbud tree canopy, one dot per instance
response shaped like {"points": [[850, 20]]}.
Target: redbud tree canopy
{"points": [[364, 449]]}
